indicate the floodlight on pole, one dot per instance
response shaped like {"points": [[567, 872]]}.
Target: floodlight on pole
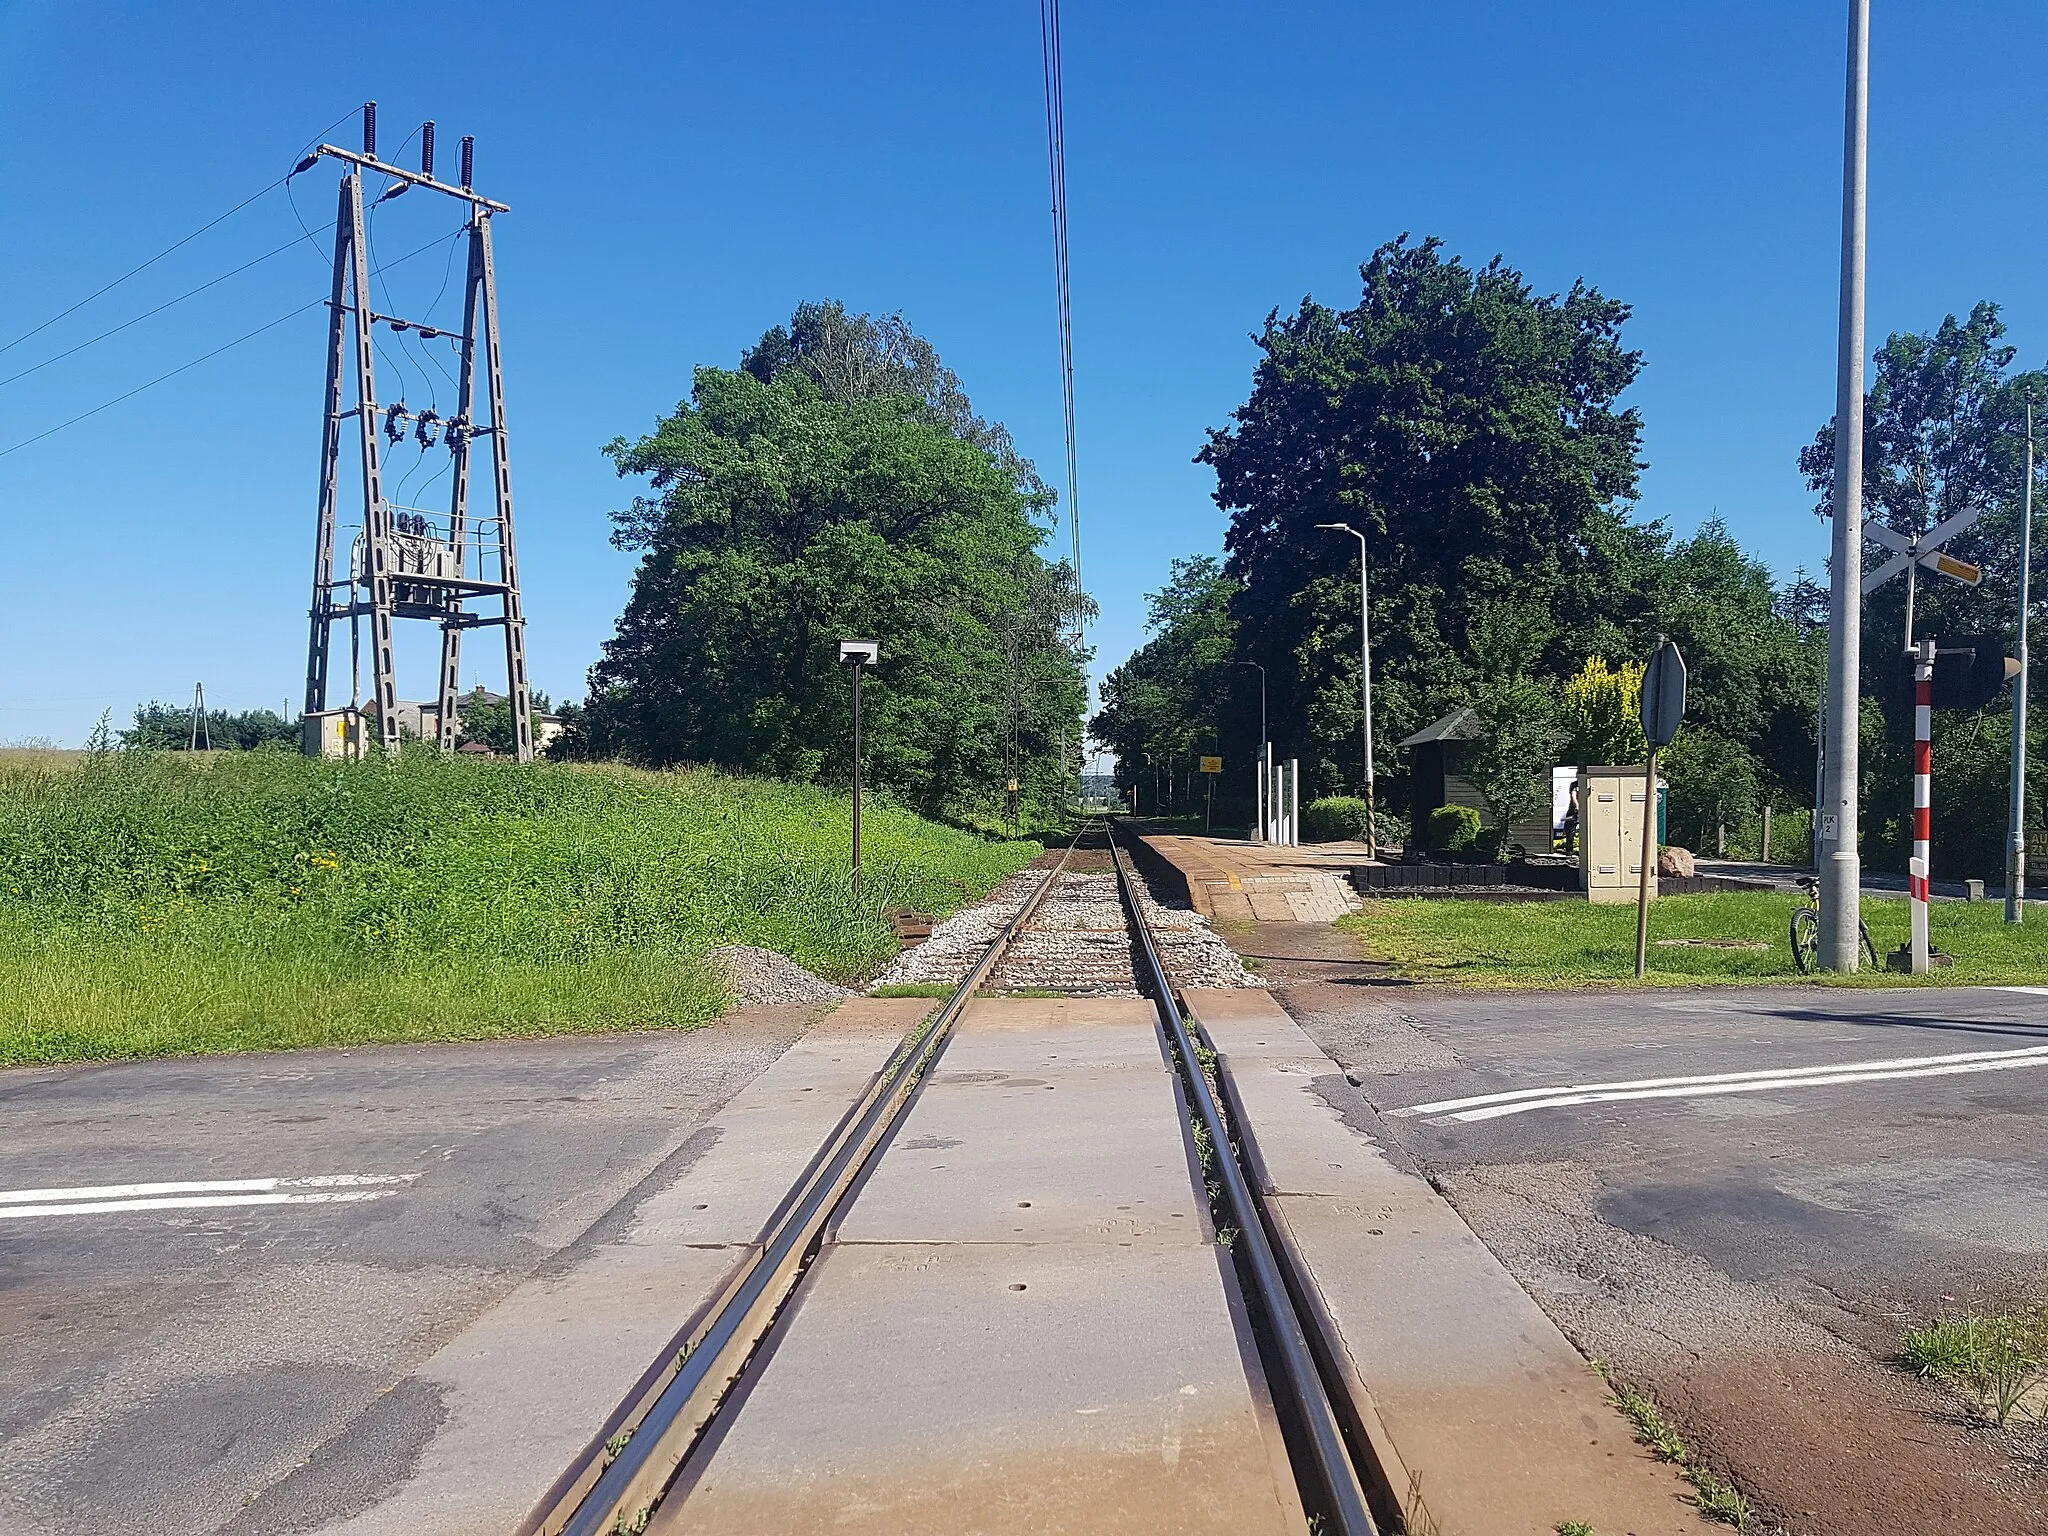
{"points": [[863, 654], [1372, 841]]}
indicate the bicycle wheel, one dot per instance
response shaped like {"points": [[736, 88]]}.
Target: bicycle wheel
{"points": [[1869, 947], [1805, 939]]}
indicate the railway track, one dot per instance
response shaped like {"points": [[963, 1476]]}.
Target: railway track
{"points": [[1086, 930]]}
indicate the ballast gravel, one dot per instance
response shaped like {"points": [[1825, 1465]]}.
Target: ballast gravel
{"points": [[757, 976], [1078, 943]]}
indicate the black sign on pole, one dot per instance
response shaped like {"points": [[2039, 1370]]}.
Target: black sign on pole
{"points": [[1664, 695]]}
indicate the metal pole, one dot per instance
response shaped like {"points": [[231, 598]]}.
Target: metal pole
{"points": [[1918, 866], [1649, 858], [1841, 873], [2016, 814], [856, 776], [1364, 684]]}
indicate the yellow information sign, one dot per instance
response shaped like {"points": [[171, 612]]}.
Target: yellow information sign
{"points": [[1212, 765]]}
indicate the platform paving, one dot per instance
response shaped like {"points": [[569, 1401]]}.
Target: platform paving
{"points": [[1022, 1323], [1232, 880], [1481, 1412]]}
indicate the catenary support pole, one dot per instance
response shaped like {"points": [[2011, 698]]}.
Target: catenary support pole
{"points": [[2016, 812], [1918, 867], [1841, 872]]}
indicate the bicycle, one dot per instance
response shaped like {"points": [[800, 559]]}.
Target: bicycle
{"points": [[1806, 929]]}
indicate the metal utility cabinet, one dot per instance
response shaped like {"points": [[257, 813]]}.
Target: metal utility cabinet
{"points": [[1611, 834]]}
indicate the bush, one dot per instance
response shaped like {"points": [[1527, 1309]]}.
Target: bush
{"points": [[1333, 818], [1452, 829]]}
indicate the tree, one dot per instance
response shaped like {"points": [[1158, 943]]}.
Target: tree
{"points": [[1165, 703], [1602, 714], [1470, 429], [1944, 432], [168, 727], [836, 485], [487, 720], [1518, 744]]}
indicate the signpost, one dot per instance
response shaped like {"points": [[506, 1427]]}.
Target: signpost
{"points": [[1210, 766], [1663, 709]]}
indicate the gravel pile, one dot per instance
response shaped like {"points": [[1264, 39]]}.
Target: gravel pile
{"points": [[758, 976]]}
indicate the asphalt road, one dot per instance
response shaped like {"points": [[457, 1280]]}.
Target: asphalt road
{"points": [[161, 1364], [1750, 1246]]}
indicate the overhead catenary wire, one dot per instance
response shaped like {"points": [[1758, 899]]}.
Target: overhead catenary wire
{"points": [[1056, 162], [225, 346]]}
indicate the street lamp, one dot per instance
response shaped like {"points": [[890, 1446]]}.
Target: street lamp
{"points": [[1372, 842], [863, 654], [1260, 809]]}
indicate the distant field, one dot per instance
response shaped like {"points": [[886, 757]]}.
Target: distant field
{"points": [[1569, 943], [158, 903]]}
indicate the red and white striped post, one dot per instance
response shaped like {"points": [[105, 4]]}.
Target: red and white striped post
{"points": [[1923, 775]]}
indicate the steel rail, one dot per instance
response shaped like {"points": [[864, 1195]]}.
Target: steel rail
{"points": [[1323, 1463], [648, 1443]]}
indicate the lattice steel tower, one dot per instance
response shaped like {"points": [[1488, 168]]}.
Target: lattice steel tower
{"points": [[409, 562]]}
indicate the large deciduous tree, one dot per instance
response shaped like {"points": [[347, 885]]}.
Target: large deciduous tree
{"points": [[1161, 708], [839, 484], [1469, 427]]}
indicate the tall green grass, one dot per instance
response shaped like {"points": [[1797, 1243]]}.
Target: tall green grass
{"points": [[154, 903]]}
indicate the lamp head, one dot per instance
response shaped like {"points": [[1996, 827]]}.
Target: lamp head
{"points": [[860, 652]]}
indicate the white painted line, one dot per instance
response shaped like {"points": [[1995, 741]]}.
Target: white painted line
{"points": [[174, 1202], [1764, 1085], [2019, 1057], [310, 1189], [2035, 991]]}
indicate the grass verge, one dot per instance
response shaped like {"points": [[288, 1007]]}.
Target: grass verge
{"points": [[158, 904], [1572, 943], [1716, 1497]]}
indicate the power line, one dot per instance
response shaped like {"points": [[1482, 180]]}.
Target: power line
{"points": [[159, 256], [1056, 162], [161, 378], [146, 314]]}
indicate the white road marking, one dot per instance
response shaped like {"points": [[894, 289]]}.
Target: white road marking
{"points": [[1492, 1106], [96, 1199]]}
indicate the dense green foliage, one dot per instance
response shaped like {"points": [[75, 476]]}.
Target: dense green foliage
{"points": [[838, 485], [1451, 829], [1944, 434], [168, 727], [1332, 819], [152, 902], [1472, 430]]}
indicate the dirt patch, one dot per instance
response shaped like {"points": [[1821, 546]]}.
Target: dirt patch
{"points": [[1826, 1440]]}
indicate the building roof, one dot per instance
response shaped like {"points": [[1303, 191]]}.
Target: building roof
{"points": [[1458, 725]]}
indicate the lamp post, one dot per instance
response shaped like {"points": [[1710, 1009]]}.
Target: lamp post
{"points": [[2016, 827], [1259, 803], [863, 654], [1372, 841]]}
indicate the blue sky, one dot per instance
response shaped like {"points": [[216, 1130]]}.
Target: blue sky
{"points": [[682, 175]]}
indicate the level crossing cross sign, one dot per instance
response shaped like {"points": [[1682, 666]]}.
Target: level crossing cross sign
{"points": [[1922, 549]]}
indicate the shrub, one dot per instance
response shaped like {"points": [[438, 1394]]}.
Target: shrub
{"points": [[1452, 829], [1333, 818]]}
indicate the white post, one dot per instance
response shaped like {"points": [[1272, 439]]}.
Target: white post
{"points": [[1259, 801], [2016, 810], [1293, 802]]}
